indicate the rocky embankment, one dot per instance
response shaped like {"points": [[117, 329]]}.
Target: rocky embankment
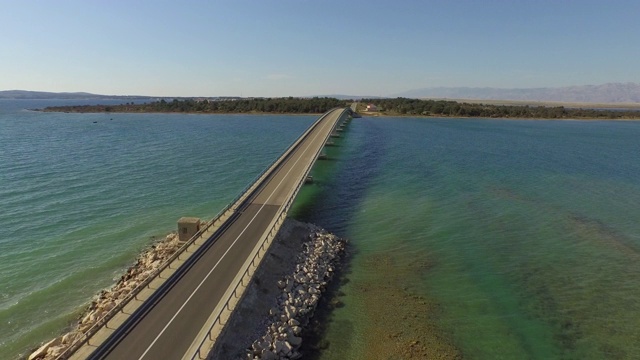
{"points": [[271, 318], [300, 293], [146, 263]]}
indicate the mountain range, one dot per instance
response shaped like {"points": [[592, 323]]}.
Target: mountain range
{"points": [[605, 93], [43, 95], [609, 93]]}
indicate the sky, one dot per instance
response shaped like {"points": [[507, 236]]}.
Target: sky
{"points": [[313, 47]]}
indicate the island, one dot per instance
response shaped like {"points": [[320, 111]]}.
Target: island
{"points": [[286, 105], [372, 106]]}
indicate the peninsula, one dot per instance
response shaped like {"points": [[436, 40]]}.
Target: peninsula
{"points": [[448, 108], [381, 107], [287, 105]]}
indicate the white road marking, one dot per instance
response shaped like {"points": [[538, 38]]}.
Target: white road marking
{"points": [[225, 253]]}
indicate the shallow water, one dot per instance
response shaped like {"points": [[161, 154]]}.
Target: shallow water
{"points": [[487, 239], [482, 239], [81, 199]]}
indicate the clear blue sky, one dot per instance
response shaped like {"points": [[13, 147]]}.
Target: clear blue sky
{"points": [[313, 47]]}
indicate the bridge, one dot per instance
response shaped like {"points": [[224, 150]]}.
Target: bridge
{"points": [[178, 312]]}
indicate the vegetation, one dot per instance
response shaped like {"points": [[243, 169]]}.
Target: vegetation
{"points": [[392, 107], [257, 105], [443, 108]]}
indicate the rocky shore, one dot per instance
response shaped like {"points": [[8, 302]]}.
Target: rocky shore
{"points": [[270, 320], [104, 301], [299, 298]]}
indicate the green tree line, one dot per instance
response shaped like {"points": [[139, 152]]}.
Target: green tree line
{"points": [[404, 106], [397, 106], [257, 105]]}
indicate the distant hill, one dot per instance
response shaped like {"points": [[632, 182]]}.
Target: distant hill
{"points": [[610, 93], [606, 93], [42, 95]]}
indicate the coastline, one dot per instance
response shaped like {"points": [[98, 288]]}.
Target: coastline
{"points": [[149, 260], [438, 212], [272, 316], [176, 112], [363, 114], [566, 104], [248, 321]]}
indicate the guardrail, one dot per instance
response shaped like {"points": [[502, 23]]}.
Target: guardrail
{"points": [[234, 204], [253, 266]]}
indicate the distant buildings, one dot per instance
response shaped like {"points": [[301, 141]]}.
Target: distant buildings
{"points": [[371, 107]]}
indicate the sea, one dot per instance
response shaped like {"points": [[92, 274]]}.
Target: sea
{"points": [[468, 238]]}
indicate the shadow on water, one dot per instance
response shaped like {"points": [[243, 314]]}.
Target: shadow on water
{"points": [[329, 160], [315, 341], [333, 207], [359, 162]]}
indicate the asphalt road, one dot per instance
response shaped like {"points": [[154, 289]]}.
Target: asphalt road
{"points": [[169, 328]]}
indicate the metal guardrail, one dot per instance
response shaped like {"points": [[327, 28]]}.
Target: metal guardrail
{"points": [[235, 203], [252, 266]]}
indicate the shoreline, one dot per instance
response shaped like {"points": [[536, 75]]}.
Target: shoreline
{"points": [[495, 118], [146, 262], [363, 114], [272, 319], [174, 112], [249, 319], [549, 103]]}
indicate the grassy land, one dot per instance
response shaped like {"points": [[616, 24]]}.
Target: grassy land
{"points": [[387, 107], [498, 109], [575, 105]]}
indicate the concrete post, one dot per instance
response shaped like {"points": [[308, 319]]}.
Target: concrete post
{"points": [[187, 227]]}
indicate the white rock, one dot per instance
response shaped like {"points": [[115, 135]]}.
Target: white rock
{"points": [[86, 319], [288, 348], [297, 330], [67, 338], [257, 347], [42, 351], [290, 311], [55, 351]]}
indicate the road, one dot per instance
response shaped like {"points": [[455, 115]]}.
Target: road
{"points": [[167, 330]]}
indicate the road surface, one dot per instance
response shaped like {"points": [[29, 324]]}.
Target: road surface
{"points": [[168, 329]]}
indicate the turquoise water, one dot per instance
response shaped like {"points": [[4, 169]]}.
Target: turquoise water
{"points": [[499, 239], [80, 199], [480, 239]]}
